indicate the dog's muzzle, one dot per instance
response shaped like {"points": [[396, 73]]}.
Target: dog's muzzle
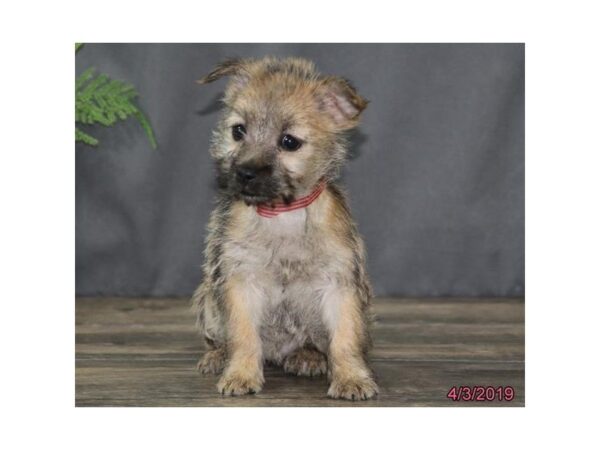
{"points": [[254, 183]]}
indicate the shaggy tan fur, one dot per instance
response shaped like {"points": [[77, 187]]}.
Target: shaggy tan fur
{"points": [[290, 289]]}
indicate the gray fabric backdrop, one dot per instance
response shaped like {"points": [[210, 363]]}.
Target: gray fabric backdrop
{"points": [[436, 179]]}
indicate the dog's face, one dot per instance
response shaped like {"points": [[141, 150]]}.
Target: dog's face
{"points": [[282, 128]]}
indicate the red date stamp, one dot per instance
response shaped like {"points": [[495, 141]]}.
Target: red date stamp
{"points": [[481, 393]]}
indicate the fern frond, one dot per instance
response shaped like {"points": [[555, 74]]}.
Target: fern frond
{"points": [[101, 100], [139, 115], [80, 136], [83, 78]]}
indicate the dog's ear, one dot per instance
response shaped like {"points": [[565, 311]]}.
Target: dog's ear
{"points": [[231, 67], [341, 101]]}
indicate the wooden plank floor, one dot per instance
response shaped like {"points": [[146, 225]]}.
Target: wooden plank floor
{"points": [[143, 352]]}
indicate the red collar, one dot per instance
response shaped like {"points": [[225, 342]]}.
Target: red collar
{"points": [[265, 210]]}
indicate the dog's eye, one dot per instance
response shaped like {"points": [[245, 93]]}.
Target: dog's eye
{"points": [[290, 143], [238, 132]]}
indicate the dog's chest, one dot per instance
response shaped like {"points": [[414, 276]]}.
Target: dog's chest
{"points": [[284, 260], [281, 249]]}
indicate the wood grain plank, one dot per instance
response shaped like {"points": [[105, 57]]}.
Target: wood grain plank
{"points": [[142, 352]]}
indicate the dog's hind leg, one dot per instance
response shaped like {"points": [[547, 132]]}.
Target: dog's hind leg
{"points": [[306, 361], [213, 361]]}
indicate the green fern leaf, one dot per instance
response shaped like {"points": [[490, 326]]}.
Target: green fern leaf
{"points": [[80, 136], [101, 100], [146, 126]]}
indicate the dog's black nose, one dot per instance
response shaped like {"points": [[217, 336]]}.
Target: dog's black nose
{"points": [[246, 174]]}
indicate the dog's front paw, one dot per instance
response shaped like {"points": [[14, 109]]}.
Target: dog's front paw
{"points": [[212, 362], [353, 388], [239, 383], [306, 361]]}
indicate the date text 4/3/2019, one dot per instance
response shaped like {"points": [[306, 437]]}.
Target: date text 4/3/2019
{"points": [[481, 393]]}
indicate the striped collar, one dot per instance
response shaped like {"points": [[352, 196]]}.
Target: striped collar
{"points": [[269, 211]]}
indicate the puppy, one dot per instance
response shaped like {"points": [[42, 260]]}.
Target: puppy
{"points": [[284, 274]]}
